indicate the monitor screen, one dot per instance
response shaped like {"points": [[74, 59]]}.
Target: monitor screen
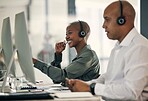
{"points": [[23, 47], [7, 45]]}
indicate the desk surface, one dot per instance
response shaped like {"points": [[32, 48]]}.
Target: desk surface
{"points": [[41, 97], [54, 91], [95, 98]]}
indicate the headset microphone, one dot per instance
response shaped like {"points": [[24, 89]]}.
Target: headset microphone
{"points": [[81, 32], [121, 19]]}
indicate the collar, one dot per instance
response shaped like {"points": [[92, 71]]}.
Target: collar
{"points": [[82, 51], [129, 37], [85, 48]]}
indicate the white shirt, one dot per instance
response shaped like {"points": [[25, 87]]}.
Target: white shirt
{"points": [[127, 72]]}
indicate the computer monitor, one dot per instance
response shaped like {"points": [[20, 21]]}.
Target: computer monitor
{"points": [[23, 47], [7, 50], [7, 45]]}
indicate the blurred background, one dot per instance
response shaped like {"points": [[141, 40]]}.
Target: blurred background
{"points": [[47, 21]]}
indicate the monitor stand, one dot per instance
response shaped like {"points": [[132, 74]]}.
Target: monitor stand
{"points": [[7, 72]]}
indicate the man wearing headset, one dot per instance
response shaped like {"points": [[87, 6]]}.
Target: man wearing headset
{"points": [[84, 66], [126, 77]]}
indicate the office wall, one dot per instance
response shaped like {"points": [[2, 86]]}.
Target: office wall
{"points": [[144, 17], [58, 19]]}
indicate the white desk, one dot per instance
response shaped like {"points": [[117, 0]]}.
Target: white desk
{"points": [[72, 96], [95, 98], [76, 96]]}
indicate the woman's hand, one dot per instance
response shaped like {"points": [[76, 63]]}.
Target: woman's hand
{"points": [[34, 60], [59, 47]]}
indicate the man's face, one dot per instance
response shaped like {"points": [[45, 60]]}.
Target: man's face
{"points": [[110, 24]]}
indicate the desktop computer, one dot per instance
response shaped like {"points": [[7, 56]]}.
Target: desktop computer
{"points": [[23, 47], [8, 54], [24, 54], [7, 45]]}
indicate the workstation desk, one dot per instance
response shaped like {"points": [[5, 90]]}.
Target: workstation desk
{"points": [[19, 97], [54, 93]]}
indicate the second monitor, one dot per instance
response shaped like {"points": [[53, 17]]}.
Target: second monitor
{"points": [[23, 47]]}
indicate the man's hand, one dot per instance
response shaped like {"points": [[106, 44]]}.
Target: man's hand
{"points": [[76, 85]]}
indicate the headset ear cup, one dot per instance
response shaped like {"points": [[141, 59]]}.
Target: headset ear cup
{"points": [[82, 34], [121, 20]]}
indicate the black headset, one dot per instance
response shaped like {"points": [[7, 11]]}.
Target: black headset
{"points": [[81, 33], [121, 19]]}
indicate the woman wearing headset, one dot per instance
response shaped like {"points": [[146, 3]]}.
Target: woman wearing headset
{"points": [[84, 66]]}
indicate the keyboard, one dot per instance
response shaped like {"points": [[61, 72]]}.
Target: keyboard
{"points": [[28, 88], [26, 96]]}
